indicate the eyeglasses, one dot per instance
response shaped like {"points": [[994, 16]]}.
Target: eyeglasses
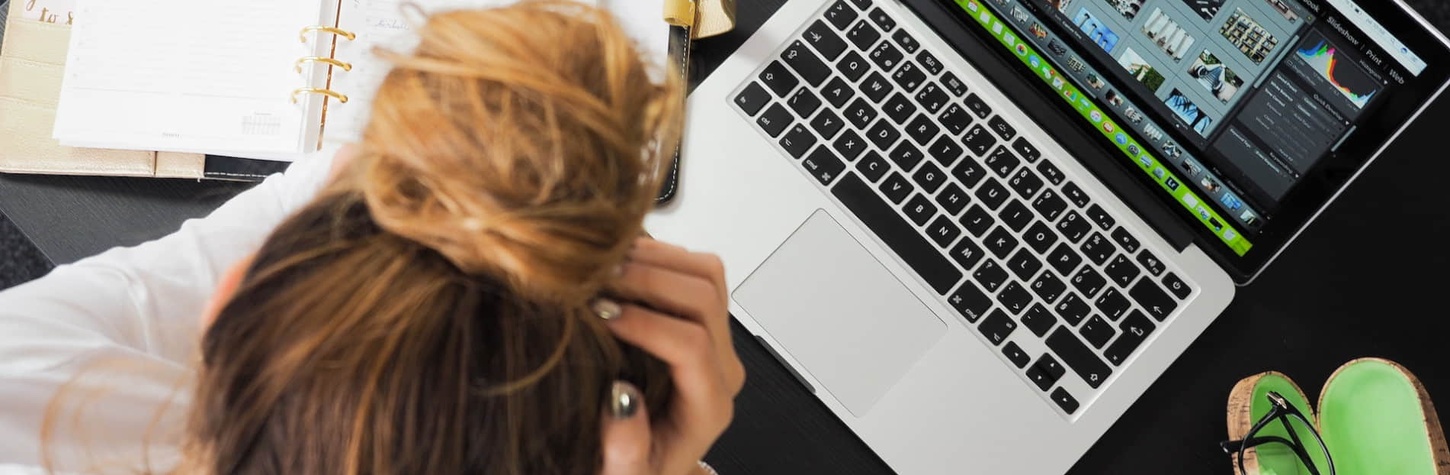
{"points": [[1294, 424]]}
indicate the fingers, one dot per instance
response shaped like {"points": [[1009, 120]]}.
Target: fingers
{"points": [[708, 266], [627, 439]]}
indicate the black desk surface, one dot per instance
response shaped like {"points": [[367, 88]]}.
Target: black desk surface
{"points": [[1365, 281]]}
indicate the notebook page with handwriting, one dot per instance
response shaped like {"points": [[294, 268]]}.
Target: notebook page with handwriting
{"points": [[189, 76]]}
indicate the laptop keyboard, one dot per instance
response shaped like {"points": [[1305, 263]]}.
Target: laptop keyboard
{"points": [[1030, 261]]}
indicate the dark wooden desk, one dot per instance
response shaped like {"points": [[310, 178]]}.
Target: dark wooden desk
{"points": [[1345, 290]]}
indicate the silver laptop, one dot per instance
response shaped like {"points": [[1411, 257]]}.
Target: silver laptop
{"points": [[978, 230]]}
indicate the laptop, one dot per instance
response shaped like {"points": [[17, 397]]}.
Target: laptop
{"points": [[978, 230]]}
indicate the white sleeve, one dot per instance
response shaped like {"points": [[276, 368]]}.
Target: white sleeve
{"points": [[128, 320]]}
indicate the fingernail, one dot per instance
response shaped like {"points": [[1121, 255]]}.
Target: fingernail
{"points": [[607, 309], [624, 400]]}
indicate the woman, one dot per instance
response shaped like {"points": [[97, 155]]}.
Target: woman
{"points": [[467, 293]]}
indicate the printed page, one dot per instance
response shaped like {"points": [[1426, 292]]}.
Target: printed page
{"points": [[383, 23], [187, 76]]}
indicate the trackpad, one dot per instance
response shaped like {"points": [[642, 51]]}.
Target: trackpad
{"points": [[839, 312]]}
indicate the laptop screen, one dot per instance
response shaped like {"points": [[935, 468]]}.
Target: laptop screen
{"points": [[1236, 109]]}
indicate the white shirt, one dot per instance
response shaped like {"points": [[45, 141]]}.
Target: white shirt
{"points": [[121, 330]]}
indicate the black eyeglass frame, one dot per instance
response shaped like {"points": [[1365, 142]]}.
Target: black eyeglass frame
{"points": [[1281, 411]]}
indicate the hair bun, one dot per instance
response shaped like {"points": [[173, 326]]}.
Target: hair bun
{"points": [[518, 142]]}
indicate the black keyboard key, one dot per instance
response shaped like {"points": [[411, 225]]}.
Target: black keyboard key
{"points": [[840, 15], [1048, 287], [850, 145], [860, 113], [1176, 285], [1040, 238], [779, 79], [997, 327], [873, 167], [1153, 300], [922, 129], [1075, 195], [1151, 263], [954, 84], [1136, 329], [1002, 162], [1038, 320], [901, 237], [876, 87], [1049, 205], [932, 98], [906, 156], [862, 4], [908, 44], [1015, 354], [752, 99], [1000, 242], [1073, 309], [978, 106], [775, 120], [930, 178], [971, 302], [993, 194], [1051, 173], [837, 92], [979, 141], [804, 102], [909, 76], [882, 19], [1046, 372], [1016, 215], [1026, 183], [1098, 249], [883, 134], [1098, 332], [978, 221], [1089, 281], [1122, 270], [920, 209], [953, 199], [990, 276], [886, 56], [798, 141], [899, 108], [827, 42], [863, 35], [929, 62], [1015, 298], [1126, 240], [943, 231], [967, 254], [1026, 149], [955, 120], [1074, 227], [824, 166], [1064, 259], [852, 66], [827, 123], [1100, 216], [969, 172], [946, 151], [1024, 264], [1078, 357], [1002, 128], [1064, 401], [806, 63], [1113, 304], [896, 188]]}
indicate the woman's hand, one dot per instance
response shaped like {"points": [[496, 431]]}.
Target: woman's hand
{"points": [[685, 322]]}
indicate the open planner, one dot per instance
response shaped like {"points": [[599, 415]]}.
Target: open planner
{"points": [[267, 79]]}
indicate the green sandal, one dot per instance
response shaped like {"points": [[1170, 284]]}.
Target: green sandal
{"points": [[1374, 418]]}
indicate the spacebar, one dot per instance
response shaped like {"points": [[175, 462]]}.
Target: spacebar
{"points": [[898, 234]]}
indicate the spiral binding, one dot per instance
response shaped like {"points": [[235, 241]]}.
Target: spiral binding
{"points": [[298, 65]]}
